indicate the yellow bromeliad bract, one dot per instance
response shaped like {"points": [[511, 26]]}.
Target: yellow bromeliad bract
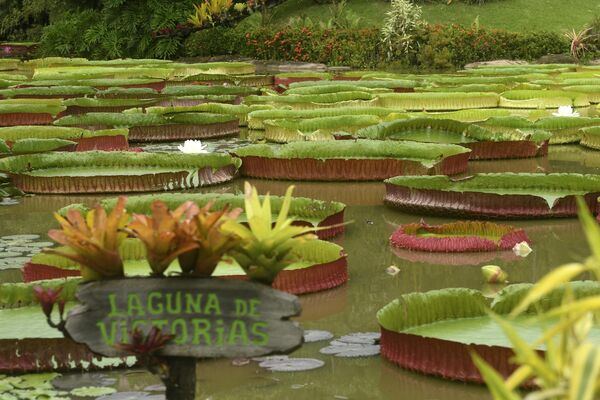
{"points": [[266, 248], [93, 241]]}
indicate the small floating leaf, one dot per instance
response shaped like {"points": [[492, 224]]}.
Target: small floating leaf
{"points": [[155, 388], [76, 380], [9, 254], [291, 364], [311, 336], [352, 350], [361, 338], [19, 249], [39, 244], [126, 396], [21, 237], [92, 391]]}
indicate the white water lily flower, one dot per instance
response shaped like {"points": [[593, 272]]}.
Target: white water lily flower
{"points": [[392, 270], [193, 147], [566, 111], [522, 249]]}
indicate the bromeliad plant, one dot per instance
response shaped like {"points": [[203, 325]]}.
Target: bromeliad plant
{"points": [[160, 233], [210, 242], [265, 248], [198, 237], [93, 241], [570, 369], [210, 12]]}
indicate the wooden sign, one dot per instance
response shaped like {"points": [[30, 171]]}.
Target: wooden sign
{"points": [[208, 317]]}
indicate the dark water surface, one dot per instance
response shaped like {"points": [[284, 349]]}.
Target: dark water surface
{"points": [[352, 308]]}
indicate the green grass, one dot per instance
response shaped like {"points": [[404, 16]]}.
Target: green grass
{"points": [[515, 15]]}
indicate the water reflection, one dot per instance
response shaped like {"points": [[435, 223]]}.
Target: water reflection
{"points": [[352, 308]]}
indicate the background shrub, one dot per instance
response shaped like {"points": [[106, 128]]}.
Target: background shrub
{"points": [[359, 48], [453, 46], [436, 47]]}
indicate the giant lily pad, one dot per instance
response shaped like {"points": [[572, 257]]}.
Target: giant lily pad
{"points": [[256, 118], [145, 127], [349, 160], [501, 195], [28, 343], [446, 101], [313, 101], [324, 128], [321, 265], [484, 142], [107, 139], [435, 332], [303, 210], [97, 171], [542, 99], [591, 137], [464, 236], [29, 111]]}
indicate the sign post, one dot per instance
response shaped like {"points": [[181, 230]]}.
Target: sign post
{"points": [[207, 318]]}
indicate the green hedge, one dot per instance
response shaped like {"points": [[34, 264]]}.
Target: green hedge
{"points": [[452, 46], [437, 46], [334, 47]]}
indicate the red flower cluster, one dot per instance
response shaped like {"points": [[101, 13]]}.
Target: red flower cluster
{"points": [[47, 298], [143, 345]]}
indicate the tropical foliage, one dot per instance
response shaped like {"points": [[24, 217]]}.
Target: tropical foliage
{"points": [[204, 231], [160, 233], [93, 241], [266, 248], [571, 366]]}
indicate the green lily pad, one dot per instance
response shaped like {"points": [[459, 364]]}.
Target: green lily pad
{"points": [[18, 249], [311, 336], [77, 380], [21, 237], [92, 391], [287, 364], [37, 381], [9, 254]]}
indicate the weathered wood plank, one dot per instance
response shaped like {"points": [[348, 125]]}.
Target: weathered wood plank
{"points": [[209, 317]]}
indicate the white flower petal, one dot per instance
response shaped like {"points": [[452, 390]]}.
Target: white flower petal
{"points": [[522, 249], [193, 147], [565, 111], [392, 270]]}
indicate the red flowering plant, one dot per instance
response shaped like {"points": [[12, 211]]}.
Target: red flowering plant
{"points": [[144, 347], [93, 241], [161, 233], [211, 242], [47, 298]]}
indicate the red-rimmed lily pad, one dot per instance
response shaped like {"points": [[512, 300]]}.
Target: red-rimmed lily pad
{"points": [[109, 172], [28, 343], [303, 210], [435, 332], [494, 195], [349, 160], [456, 259], [321, 265], [485, 143], [150, 127], [455, 237]]}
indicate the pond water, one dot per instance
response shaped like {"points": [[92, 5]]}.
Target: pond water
{"points": [[350, 308]]}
